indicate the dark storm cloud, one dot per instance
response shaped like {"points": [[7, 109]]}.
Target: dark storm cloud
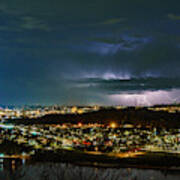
{"points": [[133, 84], [47, 46], [110, 46], [31, 23], [113, 21], [174, 17]]}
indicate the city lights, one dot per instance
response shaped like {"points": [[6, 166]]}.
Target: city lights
{"points": [[113, 125]]}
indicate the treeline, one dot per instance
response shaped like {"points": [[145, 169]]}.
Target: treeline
{"points": [[137, 117]]}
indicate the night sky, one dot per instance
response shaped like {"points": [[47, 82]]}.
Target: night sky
{"points": [[114, 52]]}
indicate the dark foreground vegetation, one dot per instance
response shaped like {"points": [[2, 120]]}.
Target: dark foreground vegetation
{"points": [[138, 117], [60, 171]]}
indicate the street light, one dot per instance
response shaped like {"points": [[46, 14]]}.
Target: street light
{"points": [[113, 125]]}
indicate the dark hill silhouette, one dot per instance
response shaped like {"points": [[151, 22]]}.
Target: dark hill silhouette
{"points": [[131, 115]]}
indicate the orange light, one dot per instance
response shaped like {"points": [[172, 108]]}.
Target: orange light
{"points": [[113, 125], [79, 124]]}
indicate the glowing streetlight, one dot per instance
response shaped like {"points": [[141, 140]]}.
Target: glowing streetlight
{"points": [[113, 125], [79, 124]]}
